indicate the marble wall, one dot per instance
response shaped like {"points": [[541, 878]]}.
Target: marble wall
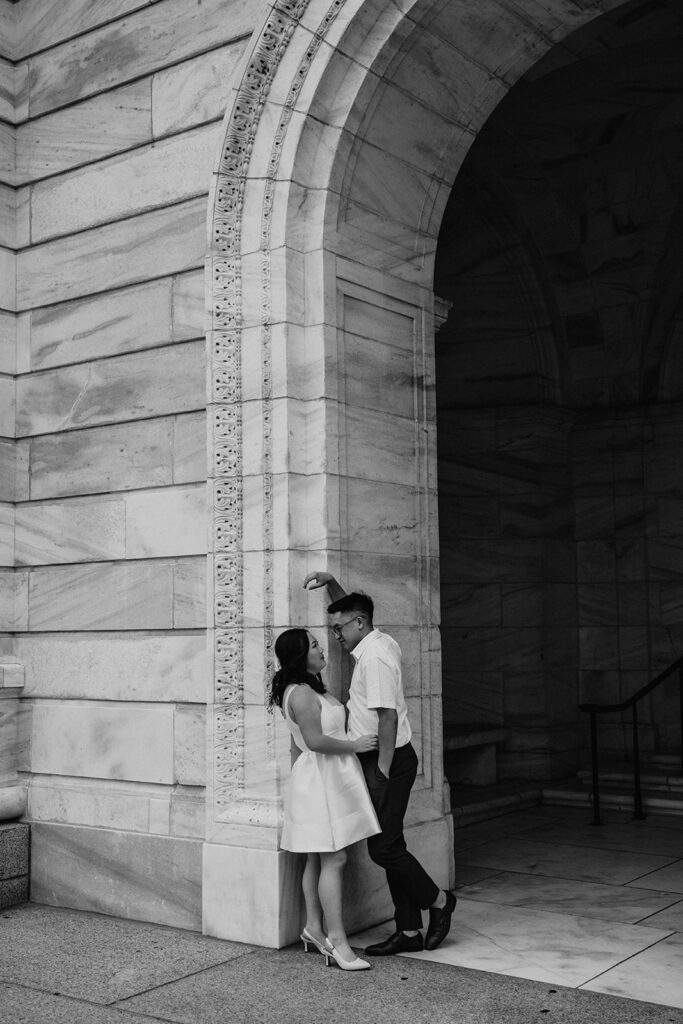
{"points": [[560, 566], [508, 583], [339, 151], [110, 133]]}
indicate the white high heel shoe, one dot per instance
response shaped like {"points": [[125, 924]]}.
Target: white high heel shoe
{"points": [[346, 965], [308, 940]]}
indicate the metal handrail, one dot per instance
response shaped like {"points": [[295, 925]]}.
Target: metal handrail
{"points": [[631, 702]]}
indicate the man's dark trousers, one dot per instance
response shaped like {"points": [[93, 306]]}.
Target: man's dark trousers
{"points": [[411, 888]]}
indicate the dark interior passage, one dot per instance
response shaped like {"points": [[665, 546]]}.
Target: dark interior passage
{"points": [[560, 395]]}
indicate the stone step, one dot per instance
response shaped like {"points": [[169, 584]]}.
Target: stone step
{"points": [[671, 762], [659, 781], [577, 795], [470, 804], [459, 737], [470, 753]]}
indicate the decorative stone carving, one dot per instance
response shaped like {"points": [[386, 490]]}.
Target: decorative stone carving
{"points": [[230, 803]]}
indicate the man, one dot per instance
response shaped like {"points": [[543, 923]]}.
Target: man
{"points": [[377, 705]]}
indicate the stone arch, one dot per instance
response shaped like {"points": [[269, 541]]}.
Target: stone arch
{"points": [[342, 141]]}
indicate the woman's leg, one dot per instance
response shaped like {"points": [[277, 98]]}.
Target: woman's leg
{"points": [[314, 910], [330, 888]]}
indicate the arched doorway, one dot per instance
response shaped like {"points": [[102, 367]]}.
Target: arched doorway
{"points": [[345, 136], [559, 523]]}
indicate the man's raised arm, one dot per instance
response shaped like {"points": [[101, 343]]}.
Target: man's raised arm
{"points": [[324, 579]]}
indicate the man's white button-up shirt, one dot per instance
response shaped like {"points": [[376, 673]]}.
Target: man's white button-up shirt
{"points": [[376, 683]]}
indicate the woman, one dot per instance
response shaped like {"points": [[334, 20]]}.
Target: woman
{"points": [[327, 806]]}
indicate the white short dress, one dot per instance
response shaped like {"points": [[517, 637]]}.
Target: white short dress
{"points": [[327, 804]]}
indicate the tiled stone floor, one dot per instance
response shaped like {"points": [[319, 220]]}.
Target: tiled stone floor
{"points": [[545, 895]]}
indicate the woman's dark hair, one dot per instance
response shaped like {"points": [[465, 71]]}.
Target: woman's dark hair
{"points": [[291, 649]]}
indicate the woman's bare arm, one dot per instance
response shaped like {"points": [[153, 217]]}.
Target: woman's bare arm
{"points": [[304, 709]]}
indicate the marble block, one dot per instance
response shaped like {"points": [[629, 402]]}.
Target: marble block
{"points": [[188, 812], [7, 153], [255, 895], [567, 861], [125, 874], [153, 244], [88, 132], [172, 521], [668, 878], [190, 739], [189, 593], [12, 801], [107, 666], [7, 519], [50, 22], [119, 457], [152, 176], [9, 84], [70, 531], [8, 236], [251, 895], [103, 741], [13, 470], [134, 47], [100, 803], [189, 448], [194, 91], [393, 455], [7, 400], [11, 689], [140, 385], [188, 315], [103, 325], [111, 458], [138, 524], [554, 948], [13, 599], [102, 595], [652, 975]]}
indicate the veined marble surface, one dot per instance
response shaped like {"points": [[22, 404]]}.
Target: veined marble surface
{"points": [[527, 909], [535, 944]]}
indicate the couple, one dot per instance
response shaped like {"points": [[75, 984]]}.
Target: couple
{"points": [[331, 803]]}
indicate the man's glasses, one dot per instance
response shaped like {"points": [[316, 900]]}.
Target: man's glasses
{"points": [[337, 630]]}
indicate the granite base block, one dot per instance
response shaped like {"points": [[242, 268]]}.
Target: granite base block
{"points": [[14, 863], [14, 849], [14, 891]]}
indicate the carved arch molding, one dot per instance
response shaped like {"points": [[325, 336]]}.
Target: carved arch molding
{"points": [[231, 803]]}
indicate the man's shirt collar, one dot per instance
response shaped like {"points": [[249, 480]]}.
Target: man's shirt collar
{"points": [[358, 650]]}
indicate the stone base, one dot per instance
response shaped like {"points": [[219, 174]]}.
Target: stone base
{"points": [[124, 874], [14, 863], [255, 895]]}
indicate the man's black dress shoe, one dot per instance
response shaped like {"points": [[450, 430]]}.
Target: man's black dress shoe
{"points": [[440, 922], [399, 942]]}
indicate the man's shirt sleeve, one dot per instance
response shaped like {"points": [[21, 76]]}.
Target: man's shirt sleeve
{"points": [[382, 683]]}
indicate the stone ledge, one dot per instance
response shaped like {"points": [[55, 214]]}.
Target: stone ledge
{"points": [[470, 753], [459, 737]]}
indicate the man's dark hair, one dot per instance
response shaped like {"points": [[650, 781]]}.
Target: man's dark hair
{"points": [[353, 603]]}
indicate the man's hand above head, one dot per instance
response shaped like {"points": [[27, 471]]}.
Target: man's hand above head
{"points": [[324, 579], [317, 579]]}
